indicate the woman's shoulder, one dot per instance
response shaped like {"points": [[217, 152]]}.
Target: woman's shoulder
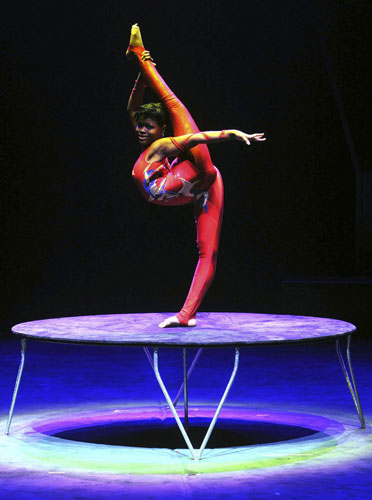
{"points": [[142, 164]]}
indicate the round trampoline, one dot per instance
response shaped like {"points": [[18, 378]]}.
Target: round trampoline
{"points": [[235, 330]]}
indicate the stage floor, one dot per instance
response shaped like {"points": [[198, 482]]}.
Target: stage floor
{"points": [[289, 428]]}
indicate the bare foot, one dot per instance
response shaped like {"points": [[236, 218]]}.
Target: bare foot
{"points": [[173, 321], [135, 39]]}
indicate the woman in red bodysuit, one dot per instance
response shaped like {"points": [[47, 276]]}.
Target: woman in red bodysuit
{"points": [[191, 178]]}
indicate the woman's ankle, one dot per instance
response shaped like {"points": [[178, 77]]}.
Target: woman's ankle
{"points": [[134, 51]]}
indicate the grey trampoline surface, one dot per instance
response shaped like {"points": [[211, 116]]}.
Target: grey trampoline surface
{"points": [[216, 329]]}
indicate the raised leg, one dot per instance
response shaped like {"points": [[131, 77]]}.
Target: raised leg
{"points": [[180, 117], [15, 392], [351, 383]]}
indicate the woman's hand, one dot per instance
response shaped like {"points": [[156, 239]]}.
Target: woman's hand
{"points": [[146, 56], [242, 136]]}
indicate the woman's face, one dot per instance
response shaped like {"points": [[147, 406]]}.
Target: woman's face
{"points": [[148, 131]]}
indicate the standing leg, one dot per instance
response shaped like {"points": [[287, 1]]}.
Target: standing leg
{"points": [[208, 226], [208, 217]]}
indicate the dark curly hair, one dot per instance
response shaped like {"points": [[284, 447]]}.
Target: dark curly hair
{"points": [[154, 110]]}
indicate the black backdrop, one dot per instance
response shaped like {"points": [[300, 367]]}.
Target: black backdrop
{"points": [[79, 239]]}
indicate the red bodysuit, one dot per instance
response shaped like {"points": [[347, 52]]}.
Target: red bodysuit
{"points": [[190, 178], [160, 183]]}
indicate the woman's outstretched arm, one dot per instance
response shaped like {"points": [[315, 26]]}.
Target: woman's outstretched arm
{"points": [[171, 146]]}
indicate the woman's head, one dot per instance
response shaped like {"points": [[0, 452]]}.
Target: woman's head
{"points": [[154, 110], [150, 123]]}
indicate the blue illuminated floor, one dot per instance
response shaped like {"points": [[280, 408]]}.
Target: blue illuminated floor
{"points": [[91, 423]]}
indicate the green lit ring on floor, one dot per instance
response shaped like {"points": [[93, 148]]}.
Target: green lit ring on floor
{"points": [[29, 445]]}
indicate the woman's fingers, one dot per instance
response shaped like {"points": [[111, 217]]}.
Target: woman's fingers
{"points": [[244, 137], [258, 137], [247, 138], [146, 56]]}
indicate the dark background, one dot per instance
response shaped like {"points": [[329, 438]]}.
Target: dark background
{"points": [[77, 236]]}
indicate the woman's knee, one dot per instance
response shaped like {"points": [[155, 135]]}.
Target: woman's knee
{"points": [[208, 254]]}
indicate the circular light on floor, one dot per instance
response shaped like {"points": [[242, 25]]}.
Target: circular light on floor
{"points": [[93, 440]]}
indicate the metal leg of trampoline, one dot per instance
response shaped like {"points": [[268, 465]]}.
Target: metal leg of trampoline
{"points": [[148, 355], [219, 408], [196, 456], [15, 392], [185, 391], [184, 385], [185, 379], [171, 406], [189, 372], [351, 383]]}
